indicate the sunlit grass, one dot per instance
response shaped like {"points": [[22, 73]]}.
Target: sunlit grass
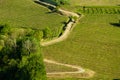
{"points": [[27, 13], [93, 44]]}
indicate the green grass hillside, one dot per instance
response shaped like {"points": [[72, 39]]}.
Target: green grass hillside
{"points": [[27, 13], [93, 44], [96, 2], [77, 3], [95, 41]]}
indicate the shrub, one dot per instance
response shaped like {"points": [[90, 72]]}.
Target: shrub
{"points": [[21, 58], [47, 33], [61, 2]]}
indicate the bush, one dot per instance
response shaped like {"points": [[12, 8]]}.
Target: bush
{"points": [[61, 2], [47, 33], [21, 58]]}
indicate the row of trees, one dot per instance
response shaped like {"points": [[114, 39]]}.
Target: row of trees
{"points": [[99, 10]]}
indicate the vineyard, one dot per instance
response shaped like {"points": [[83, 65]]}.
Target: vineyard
{"points": [[99, 10]]}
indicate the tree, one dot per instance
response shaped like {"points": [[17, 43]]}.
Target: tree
{"points": [[61, 2], [32, 61], [47, 33], [21, 58]]}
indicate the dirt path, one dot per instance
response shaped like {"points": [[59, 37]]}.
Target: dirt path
{"points": [[69, 26], [61, 38], [61, 11], [80, 73], [65, 34], [67, 65], [68, 13]]}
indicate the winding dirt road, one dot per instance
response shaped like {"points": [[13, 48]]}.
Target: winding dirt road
{"points": [[67, 65], [80, 73], [61, 38], [68, 26], [65, 34]]}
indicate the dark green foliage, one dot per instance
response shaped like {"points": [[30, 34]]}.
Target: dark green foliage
{"points": [[50, 1], [99, 10], [116, 24], [32, 59], [5, 29], [38, 34], [57, 2], [47, 33], [61, 2], [20, 56]]}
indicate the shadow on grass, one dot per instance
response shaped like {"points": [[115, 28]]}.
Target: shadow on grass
{"points": [[50, 12], [118, 5], [115, 24], [49, 7], [1, 27], [49, 1], [64, 22], [116, 79]]}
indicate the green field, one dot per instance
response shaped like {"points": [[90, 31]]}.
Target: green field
{"points": [[94, 43], [27, 13], [96, 2], [77, 3]]}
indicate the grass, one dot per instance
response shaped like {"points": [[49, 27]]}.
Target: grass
{"points": [[95, 2], [26, 13], [93, 44], [78, 3], [58, 68]]}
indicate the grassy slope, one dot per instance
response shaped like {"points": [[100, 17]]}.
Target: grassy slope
{"points": [[26, 13], [96, 2], [99, 57], [93, 44], [77, 3]]}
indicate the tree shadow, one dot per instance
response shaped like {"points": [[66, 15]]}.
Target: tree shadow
{"points": [[64, 27], [115, 24], [1, 27], [52, 9], [118, 5], [64, 22], [50, 12], [49, 7], [49, 1], [116, 79]]}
